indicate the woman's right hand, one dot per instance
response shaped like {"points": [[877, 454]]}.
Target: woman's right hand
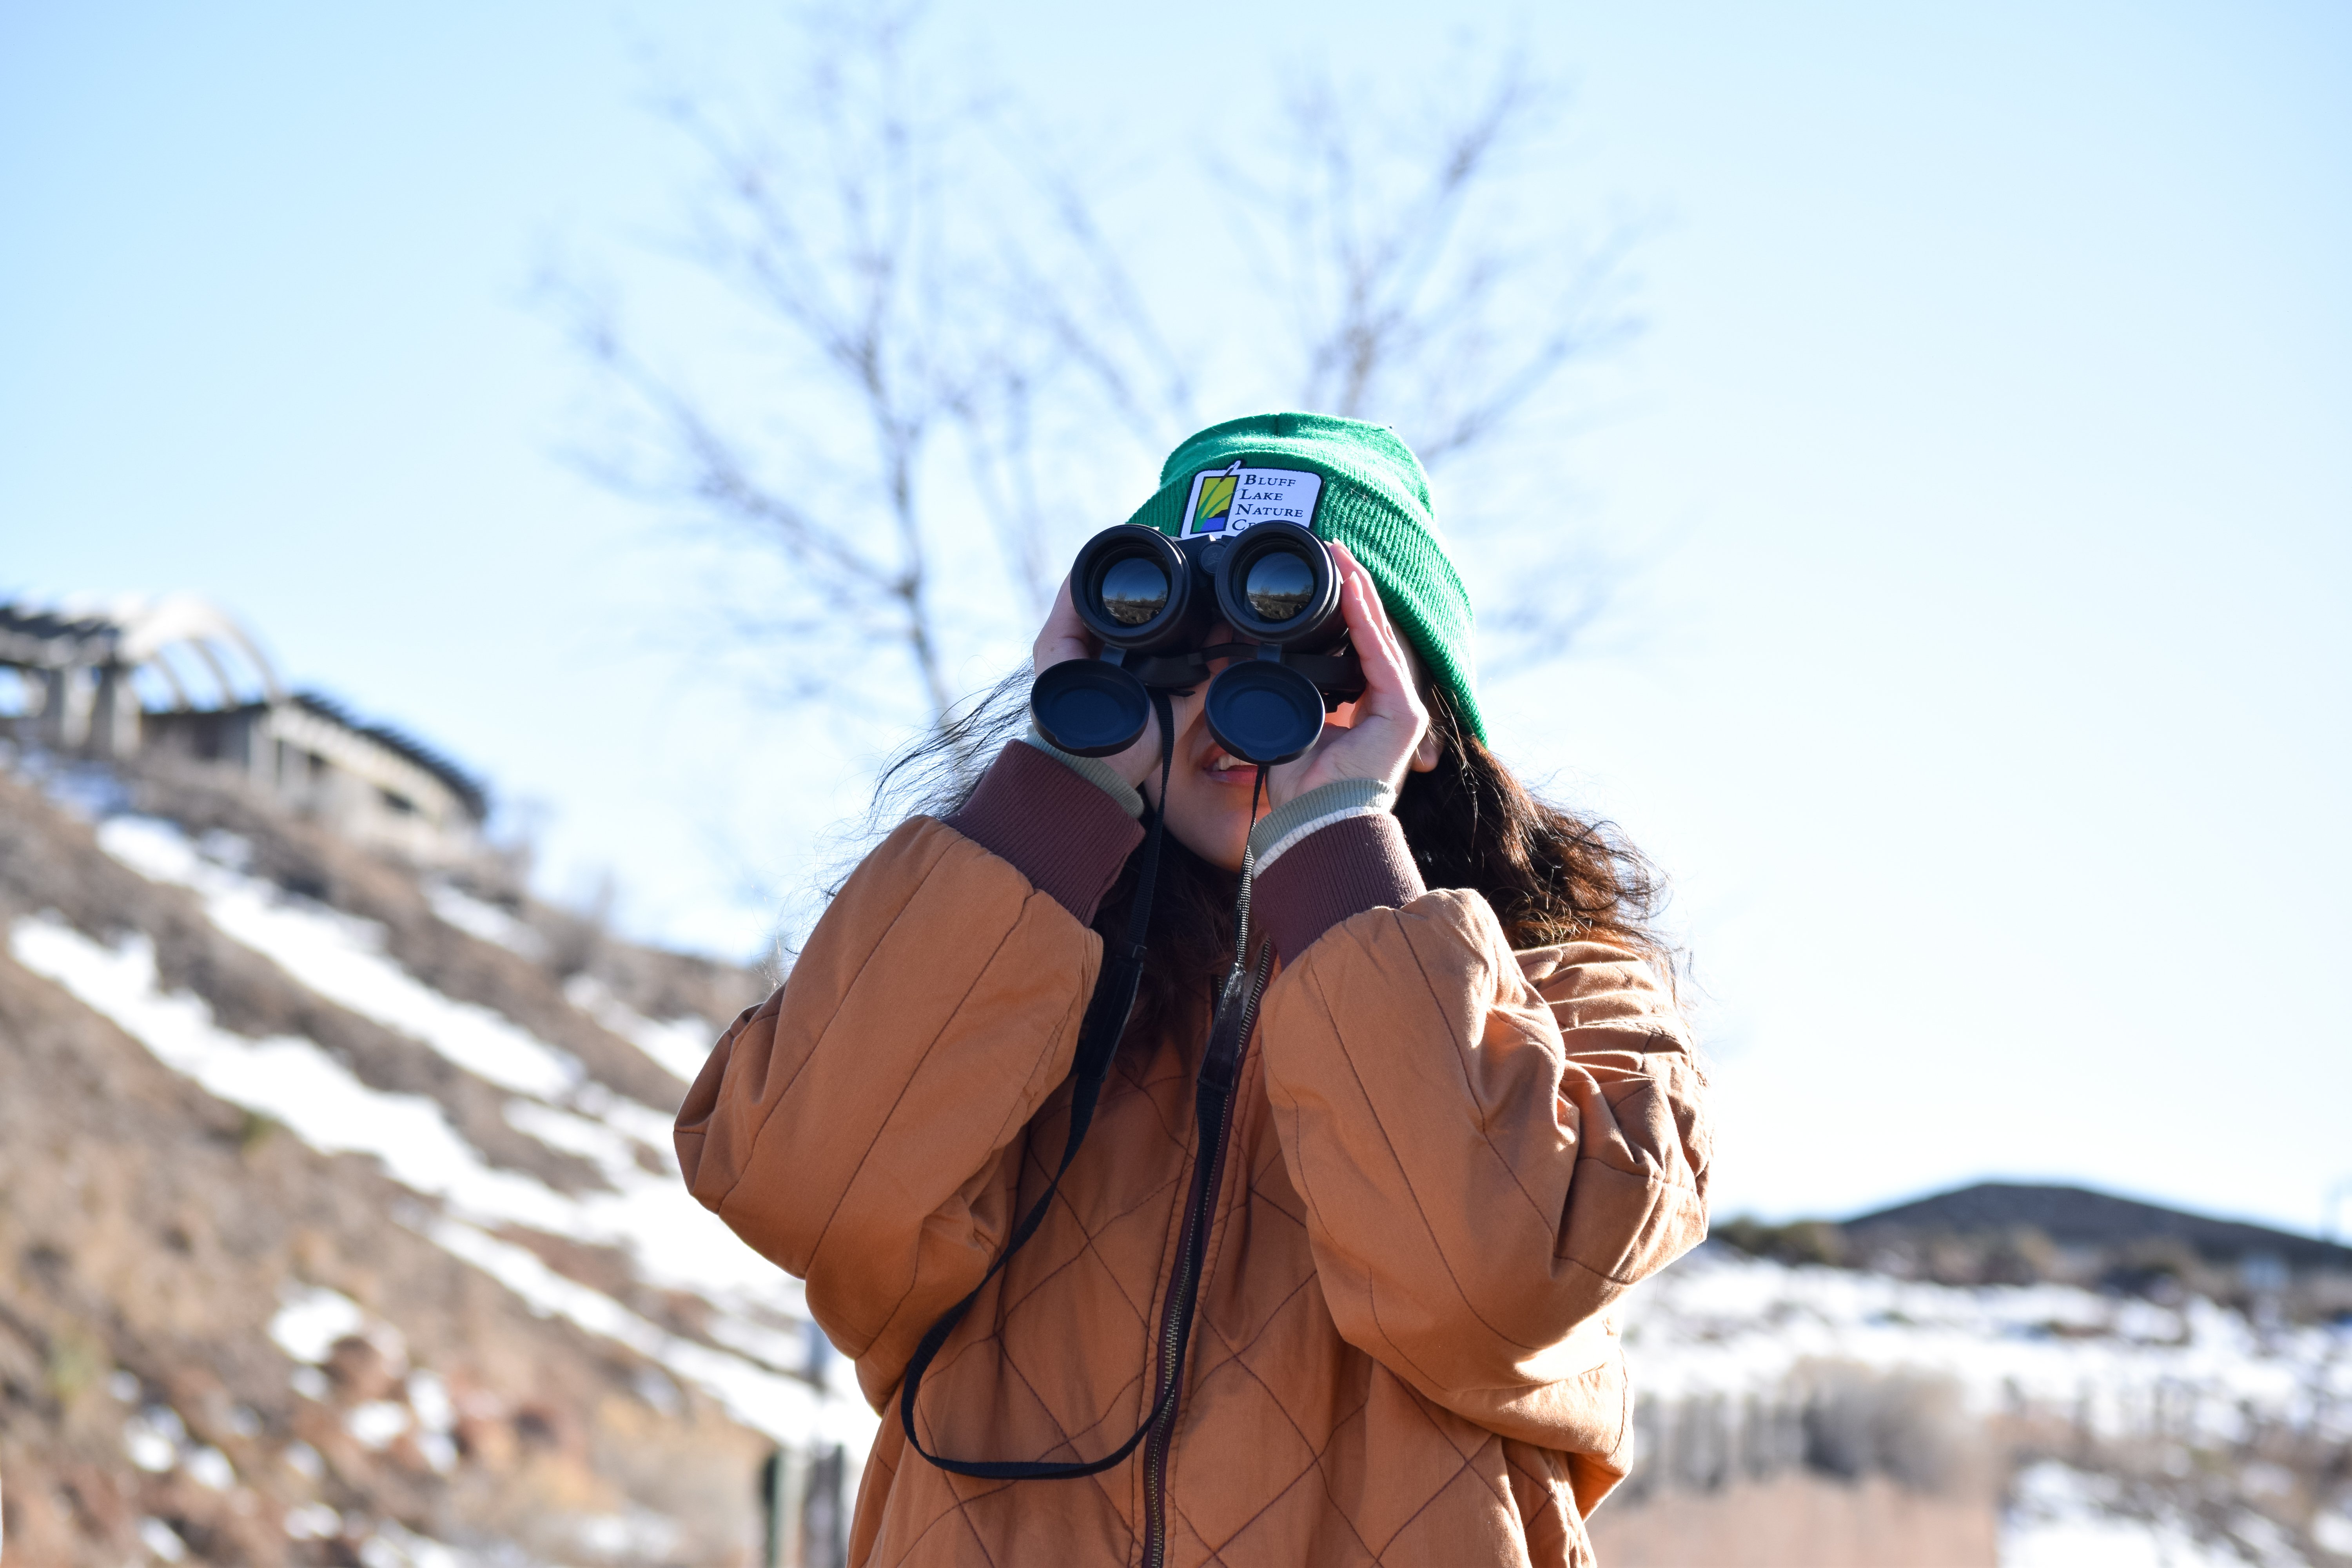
{"points": [[1064, 638]]}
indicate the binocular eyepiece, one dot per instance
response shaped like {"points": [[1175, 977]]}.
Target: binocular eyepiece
{"points": [[1151, 599]]}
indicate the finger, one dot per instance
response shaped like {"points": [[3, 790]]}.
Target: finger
{"points": [[1388, 677], [1399, 650], [1063, 618], [1389, 631], [1359, 605], [1063, 636], [1375, 610], [1392, 696]]}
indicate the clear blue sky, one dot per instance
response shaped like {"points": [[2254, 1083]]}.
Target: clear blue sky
{"points": [[1991, 449]]}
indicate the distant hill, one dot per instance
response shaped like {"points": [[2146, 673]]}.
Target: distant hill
{"points": [[2016, 1233], [2078, 1217]]}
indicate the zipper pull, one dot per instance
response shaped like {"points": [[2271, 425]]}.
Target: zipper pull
{"points": [[1236, 1015]]}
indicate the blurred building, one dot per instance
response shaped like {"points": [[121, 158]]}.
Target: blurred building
{"points": [[177, 677]]}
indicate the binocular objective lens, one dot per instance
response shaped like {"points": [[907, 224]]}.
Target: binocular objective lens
{"points": [[1278, 585], [1133, 591]]}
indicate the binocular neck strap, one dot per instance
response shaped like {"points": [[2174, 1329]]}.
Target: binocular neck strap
{"points": [[1099, 1037]]}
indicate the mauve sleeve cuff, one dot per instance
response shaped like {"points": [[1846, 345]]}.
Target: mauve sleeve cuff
{"points": [[1064, 834], [1093, 770], [1355, 864]]}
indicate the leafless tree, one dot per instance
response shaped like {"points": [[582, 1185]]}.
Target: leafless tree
{"points": [[1421, 291], [895, 304], [930, 273], [1413, 293]]}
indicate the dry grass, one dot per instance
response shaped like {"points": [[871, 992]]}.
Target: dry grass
{"points": [[2267, 1485], [1840, 1421], [50, 861], [1843, 1460], [309, 861], [147, 1229], [145, 1232]]}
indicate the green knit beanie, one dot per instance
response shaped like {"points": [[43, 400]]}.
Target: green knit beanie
{"points": [[1352, 483]]}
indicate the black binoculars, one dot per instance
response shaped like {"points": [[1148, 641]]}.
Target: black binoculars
{"points": [[1151, 599]]}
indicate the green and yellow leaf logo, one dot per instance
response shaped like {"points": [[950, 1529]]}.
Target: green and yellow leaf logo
{"points": [[1216, 501]]}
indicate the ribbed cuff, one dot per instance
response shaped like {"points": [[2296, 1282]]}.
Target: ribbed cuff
{"points": [[1338, 870], [1094, 770], [1292, 821], [1066, 835]]}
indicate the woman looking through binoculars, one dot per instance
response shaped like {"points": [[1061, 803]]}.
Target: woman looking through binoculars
{"points": [[1225, 1134]]}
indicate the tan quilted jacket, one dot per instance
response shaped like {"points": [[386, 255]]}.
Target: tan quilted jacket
{"points": [[1447, 1162]]}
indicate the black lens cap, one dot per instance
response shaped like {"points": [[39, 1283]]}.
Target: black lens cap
{"points": [[1262, 712], [1090, 708]]}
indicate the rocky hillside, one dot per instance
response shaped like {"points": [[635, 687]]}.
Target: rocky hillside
{"points": [[338, 1218]]}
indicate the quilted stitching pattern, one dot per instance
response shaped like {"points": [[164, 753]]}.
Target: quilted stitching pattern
{"points": [[1297, 1444], [1293, 1447]]}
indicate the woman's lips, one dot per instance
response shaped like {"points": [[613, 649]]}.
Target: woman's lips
{"points": [[1221, 768]]}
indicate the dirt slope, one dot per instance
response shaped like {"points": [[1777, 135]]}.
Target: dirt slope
{"points": [[160, 1248]]}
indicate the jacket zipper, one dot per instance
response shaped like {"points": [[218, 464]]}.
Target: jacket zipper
{"points": [[1192, 1255], [1171, 1335]]}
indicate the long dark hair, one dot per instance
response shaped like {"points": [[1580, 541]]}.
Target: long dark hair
{"points": [[1549, 875]]}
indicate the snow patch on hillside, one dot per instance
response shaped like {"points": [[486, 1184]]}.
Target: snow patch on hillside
{"points": [[311, 1318], [782, 1407], [673, 1241], [679, 1046], [677, 1243], [2061, 1518], [1718, 1329], [339, 957], [286, 1078], [486, 921], [1717, 1322]]}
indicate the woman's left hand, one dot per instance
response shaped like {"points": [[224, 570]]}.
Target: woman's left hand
{"points": [[1385, 732]]}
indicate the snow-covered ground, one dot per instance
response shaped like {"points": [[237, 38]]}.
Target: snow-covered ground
{"points": [[1717, 1322], [673, 1241], [2061, 1518], [2199, 1377]]}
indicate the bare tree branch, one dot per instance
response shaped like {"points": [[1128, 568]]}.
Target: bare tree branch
{"points": [[1388, 254], [926, 269], [1419, 299]]}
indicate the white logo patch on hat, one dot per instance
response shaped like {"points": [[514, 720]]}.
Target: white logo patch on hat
{"points": [[1226, 500]]}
